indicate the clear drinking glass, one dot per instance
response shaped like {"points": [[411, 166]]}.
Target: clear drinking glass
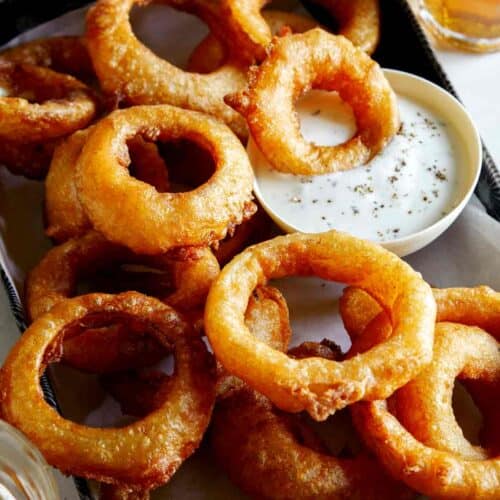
{"points": [[24, 473], [467, 24]]}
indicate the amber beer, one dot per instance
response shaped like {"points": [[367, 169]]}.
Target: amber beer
{"points": [[468, 24]]}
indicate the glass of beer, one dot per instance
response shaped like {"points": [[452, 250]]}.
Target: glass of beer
{"points": [[467, 24]]}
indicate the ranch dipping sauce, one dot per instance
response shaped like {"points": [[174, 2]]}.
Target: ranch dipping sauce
{"points": [[406, 188]]}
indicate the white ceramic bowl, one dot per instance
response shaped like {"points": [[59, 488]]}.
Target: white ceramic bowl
{"points": [[452, 111]]}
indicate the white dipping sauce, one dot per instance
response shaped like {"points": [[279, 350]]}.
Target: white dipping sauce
{"points": [[406, 188]]}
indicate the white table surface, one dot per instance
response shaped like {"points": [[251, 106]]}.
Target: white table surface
{"points": [[476, 79]]}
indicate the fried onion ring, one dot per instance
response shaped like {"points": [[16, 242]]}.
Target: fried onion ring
{"points": [[129, 70], [317, 385], [211, 54], [358, 21], [64, 215], [141, 455], [41, 104], [424, 405], [316, 59], [55, 277], [152, 218], [273, 455], [64, 54]]}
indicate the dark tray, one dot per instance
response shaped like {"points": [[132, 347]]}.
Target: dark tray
{"points": [[403, 46]]}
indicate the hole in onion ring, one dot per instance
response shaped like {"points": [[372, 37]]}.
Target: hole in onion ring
{"points": [[141, 19], [110, 400], [312, 300], [325, 119], [467, 413], [189, 164]]}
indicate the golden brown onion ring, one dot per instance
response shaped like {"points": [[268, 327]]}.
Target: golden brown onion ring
{"points": [[56, 276], [64, 54], [210, 54], [41, 104], [152, 219], [358, 20], [143, 454], [273, 455], [316, 59], [133, 73], [64, 215], [316, 385], [424, 405]]}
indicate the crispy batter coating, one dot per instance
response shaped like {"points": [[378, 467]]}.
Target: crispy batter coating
{"points": [[152, 219], [316, 385], [143, 454], [316, 59], [133, 73]]}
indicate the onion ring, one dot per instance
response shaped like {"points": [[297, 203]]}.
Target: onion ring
{"points": [[55, 277], [358, 21], [152, 218], [211, 54], [424, 405], [317, 385], [63, 54], [64, 215], [41, 104], [273, 455], [129, 70], [326, 62], [143, 454]]}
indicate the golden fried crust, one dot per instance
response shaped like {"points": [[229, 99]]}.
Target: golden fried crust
{"points": [[152, 219], [41, 104], [316, 59], [133, 73], [141, 455], [316, 385]]}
